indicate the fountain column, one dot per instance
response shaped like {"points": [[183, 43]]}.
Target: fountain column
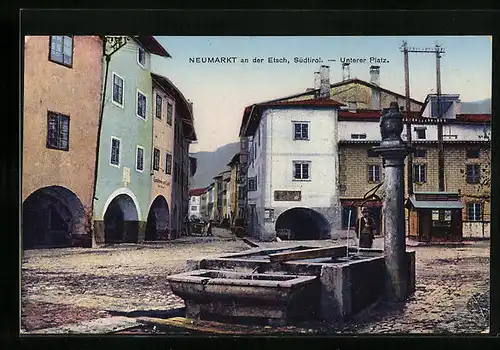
{"points": [[393, 151]]}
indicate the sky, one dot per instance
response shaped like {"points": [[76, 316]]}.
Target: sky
{"points": [[221, 91]]}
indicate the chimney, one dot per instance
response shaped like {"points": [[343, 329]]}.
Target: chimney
{"points": [[352, 106], [346, 71], [324, 90], [317, 83], [375, 75]]}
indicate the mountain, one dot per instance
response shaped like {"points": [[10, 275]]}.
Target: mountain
{"points": [[477, 107], [210, 164]]}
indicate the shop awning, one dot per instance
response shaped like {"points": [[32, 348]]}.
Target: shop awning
{"points": [[451, 204]]}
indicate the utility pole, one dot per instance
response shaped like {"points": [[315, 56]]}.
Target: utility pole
{"points": [[437, 50], [404, 48]]}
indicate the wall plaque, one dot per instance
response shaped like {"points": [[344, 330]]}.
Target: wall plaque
{"points": [[287, 195]]}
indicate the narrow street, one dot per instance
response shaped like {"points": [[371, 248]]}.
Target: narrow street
{"points": [[69, 285]]}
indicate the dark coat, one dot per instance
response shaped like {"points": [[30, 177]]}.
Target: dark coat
{"points": [[365, 226]]}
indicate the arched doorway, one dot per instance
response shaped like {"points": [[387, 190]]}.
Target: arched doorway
{"points": [[158, 222], [52, 217], [303, 224], [121, 221]]}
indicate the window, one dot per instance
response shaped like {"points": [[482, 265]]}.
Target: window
{"points": [[168, 164], [345, 217], [474, 211], [141, 57], [473, 173], [420, 153], [57, 131], [194, 208], [118, 89], [301, 171], [472, 153], [419, 173], [156, 159], [258, 142], [159, 102], [372, 153], [301, 131], [139, 163], [141, 105], [170, 113], [358, 136], [61, 50], [252, 184], [420, 133], [115, 151], [374, 173]]}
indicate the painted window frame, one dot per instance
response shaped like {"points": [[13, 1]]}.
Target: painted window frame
{"points": [[122, 104], [155, 166], [60, 117], [252, 184], [139, 147], [417, 174], [119, 152], [477, 215], [302, 163], [139, 92], [168, 163], [139, 49], [302, 124], [476, 177], [373, 179], [54, 60], [158, 106]]}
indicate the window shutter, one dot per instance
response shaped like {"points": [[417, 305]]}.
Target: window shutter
{"points": [[64, 132], [297, 131], [305, 131], [305, 171]]}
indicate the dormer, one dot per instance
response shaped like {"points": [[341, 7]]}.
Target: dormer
{"points": [[445, 106]]}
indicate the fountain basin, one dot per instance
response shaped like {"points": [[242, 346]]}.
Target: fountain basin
{"points": [[275, 297], [340, 285]]}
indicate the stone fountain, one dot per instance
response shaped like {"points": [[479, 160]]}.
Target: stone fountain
{"points": [[279, 286]]}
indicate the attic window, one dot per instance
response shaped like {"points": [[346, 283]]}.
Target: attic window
{"points": [[420, 133]]}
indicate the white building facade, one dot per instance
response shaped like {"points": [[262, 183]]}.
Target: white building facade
{"points": [[292, 172]]}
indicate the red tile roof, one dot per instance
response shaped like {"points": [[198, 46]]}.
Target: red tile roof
{"points": [[197, 192], [474, 117]]}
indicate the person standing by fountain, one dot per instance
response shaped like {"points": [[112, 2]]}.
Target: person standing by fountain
{"points": [[209, 228], [365, 227]]}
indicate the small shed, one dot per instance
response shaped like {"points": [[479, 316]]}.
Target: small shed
{"points": [[435, 216]]}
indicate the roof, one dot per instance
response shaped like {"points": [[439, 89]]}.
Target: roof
{"points": [[234, 160], [153, 46], [185, 106], [197, 192], [481, 118], [252, 114], [451, 204], [351, 81]]}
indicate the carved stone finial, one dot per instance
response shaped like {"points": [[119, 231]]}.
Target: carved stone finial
{"points": [[391, 123]]}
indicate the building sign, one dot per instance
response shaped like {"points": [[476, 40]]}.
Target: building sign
{"points": [[287, 195], [126, 176], [359, 203], [161, 183]]}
